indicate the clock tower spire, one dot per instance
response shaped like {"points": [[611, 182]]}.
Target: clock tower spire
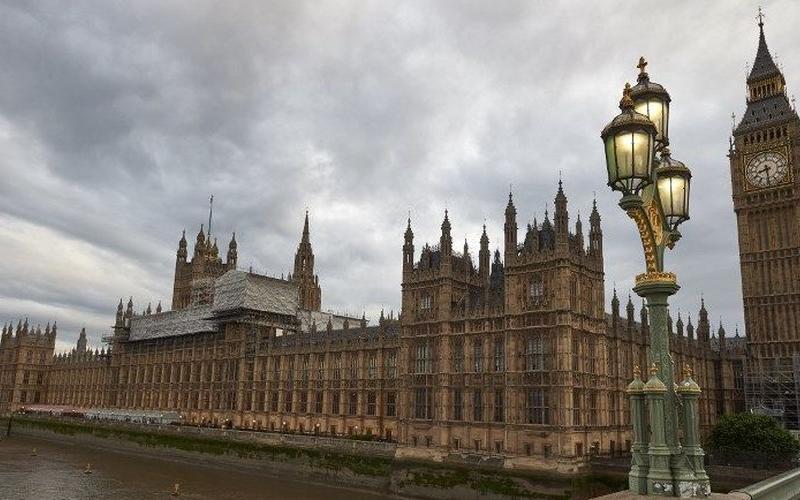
{"points": [[764, 157]]}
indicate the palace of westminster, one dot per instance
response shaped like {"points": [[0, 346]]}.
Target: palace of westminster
{"points": [[513, 354]]}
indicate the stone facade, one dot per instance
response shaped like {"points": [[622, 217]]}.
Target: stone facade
{"points": [[25, 356], [518, 357], [514, 357], [765, 168]]}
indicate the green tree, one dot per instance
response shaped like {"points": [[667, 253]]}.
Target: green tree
{"points": [[745, 434]]}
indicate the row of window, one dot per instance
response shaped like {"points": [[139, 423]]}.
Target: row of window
{"points": [[534, 355], [306, 402], [476, 408]]}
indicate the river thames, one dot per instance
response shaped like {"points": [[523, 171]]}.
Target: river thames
{"points": [[57, 471]]}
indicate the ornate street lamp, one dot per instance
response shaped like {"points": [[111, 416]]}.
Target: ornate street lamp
{"points": [[629, 140], [655, 194]]}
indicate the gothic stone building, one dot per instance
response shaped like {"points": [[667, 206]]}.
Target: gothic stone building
{"points": [[517, 356], [514, 357], [765, 175]]}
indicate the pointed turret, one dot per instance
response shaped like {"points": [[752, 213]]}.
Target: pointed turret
{"points": [[233, 253], [82, 340], [158, 308], [310, 292], [643, 317], [579, 234], [561, 216], [129, 309], [484, 255], [510, 230], [721, 336], [182, 253], [690, 329], [446, 241], [679, 325], [703, 326], [120, 314], [467, 256], [614, 312], [595, 234], [200, 242], [630, 312], [408, 251]]}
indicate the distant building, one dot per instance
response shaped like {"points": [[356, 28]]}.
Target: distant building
{"points": [[514, 357]]}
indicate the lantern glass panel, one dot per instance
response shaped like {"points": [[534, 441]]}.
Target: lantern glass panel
{"points": [[673, 192], [658, 112], [611, 161], [629, 158]]}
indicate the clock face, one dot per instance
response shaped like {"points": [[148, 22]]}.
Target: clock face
{"points": [[767, 169]]}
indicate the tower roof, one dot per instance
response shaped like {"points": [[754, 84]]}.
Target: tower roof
{"points": [[763, 66], [765, 109]]}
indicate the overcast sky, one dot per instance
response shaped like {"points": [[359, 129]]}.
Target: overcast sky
{"points": [[119, 119]]}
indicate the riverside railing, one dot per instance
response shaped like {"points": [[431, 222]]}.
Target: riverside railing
{"points": [[784, 486]]}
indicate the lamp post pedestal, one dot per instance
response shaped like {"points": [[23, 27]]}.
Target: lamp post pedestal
{"points": [[656, 290], [673, 470]]}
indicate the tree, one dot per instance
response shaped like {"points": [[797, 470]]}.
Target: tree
{"points": [[753, 438]]}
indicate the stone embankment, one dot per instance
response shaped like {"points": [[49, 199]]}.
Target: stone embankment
{"points": [[378, 466]]}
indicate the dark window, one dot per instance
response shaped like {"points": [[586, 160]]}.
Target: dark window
{"points": [[423, 403], [353, 406], [390, 404], [477, 406], [477, 355], [458, 355], [498, 405], [536, 407], [499, 355], [318, 402], [458, 404]]}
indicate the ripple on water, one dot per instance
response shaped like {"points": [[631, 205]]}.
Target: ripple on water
{"points": [[57, 472]]}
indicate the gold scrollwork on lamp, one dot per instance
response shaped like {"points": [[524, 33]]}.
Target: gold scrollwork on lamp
{"points": [[646, 235], [656, 277]]}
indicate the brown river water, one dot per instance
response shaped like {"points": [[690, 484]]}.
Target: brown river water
{"points": [[56, 471]]}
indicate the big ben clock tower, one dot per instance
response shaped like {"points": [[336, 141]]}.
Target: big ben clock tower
{"points": [[765, 176]]}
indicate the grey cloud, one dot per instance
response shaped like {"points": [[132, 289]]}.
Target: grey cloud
{"points": [[117, 123]]}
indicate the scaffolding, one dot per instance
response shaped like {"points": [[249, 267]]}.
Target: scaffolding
{"points": [[772, 387]]}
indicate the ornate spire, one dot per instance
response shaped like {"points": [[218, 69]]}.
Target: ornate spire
{"points": [[233, 254], [181, 255], [305, 238], [446, 223], [763, 66], [511, 210], [310, 291], [82, 340]]}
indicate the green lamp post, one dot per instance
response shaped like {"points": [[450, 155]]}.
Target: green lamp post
{"points": [[655, 194]]}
